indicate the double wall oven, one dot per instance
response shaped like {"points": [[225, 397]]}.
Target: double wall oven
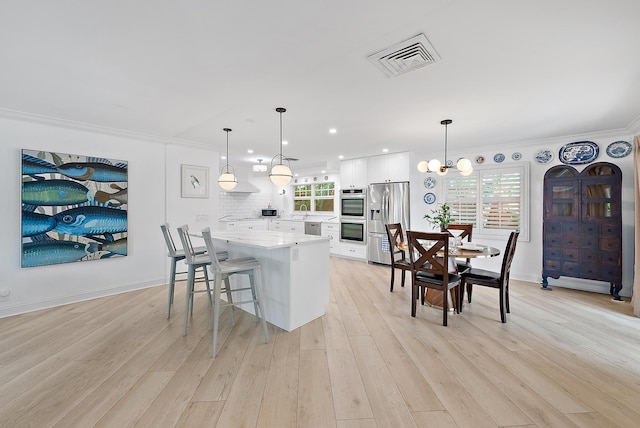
{"points": [[353, 219]]}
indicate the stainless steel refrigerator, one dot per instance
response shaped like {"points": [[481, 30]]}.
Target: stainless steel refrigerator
{"points": [[388, 203]]}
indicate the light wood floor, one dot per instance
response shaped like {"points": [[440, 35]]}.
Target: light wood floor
{"points": [[565, 358]]}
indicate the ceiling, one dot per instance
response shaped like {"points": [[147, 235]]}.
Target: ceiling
{"points": [[509, 71]]}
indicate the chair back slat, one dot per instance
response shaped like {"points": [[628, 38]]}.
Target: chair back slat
{"points": [[466, 230], [189, 252], [509, 252], [395, 236], [211, 250], [423, 252], [171, 246]]}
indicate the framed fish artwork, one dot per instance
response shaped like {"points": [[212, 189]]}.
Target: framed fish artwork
{"points": [[195, 181], [74, 208]]}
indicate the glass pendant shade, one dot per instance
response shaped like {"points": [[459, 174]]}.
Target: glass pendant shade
{"points": [[434, 165], [423, 166], [280, 173], [442, 170], [466, 172], [464, 164], [227, 181]]}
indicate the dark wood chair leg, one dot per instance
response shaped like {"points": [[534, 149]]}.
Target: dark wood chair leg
{"points": [[445, 309], [469, 290], [393, 277], [503, 304], [403, 272], [414, 297]]}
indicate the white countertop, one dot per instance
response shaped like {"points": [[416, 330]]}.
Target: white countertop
{"points": [[265, 238]]}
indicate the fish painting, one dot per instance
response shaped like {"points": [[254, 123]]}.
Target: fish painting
{"points": [[54, 192], [118, 246], [102, 171], [120, 196], [53, 252], [91, 220], [36, 224], [32, 165]]}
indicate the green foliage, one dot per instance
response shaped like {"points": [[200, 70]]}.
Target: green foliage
{"points": [[440, 217]]}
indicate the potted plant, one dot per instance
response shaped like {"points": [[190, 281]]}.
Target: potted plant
{"points": [[440, 217]]}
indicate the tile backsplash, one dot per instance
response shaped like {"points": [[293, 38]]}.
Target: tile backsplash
{"points": [[242, 205]]}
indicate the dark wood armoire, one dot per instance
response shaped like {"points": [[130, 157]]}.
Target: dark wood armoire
{"points": [[582, 229]]}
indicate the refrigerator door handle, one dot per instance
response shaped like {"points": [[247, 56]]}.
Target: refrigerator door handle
{"points": [[385, 207]]}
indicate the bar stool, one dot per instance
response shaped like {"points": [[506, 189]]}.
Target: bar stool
{"points": [[194, 262], [177, 255], [222, 270]]}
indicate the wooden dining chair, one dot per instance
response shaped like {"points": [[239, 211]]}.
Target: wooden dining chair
{"points": [[499, 280], [398, 256], [428, 253], [465, 235]]}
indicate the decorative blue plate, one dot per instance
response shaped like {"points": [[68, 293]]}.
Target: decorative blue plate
{"points": [[516, 156], [429, 198], [498, 158], [429, 182], [450, 163], [619, 149], [544, 156], [578, 153]]}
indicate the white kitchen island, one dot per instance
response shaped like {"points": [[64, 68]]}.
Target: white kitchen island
{"points": [[295, 272]]}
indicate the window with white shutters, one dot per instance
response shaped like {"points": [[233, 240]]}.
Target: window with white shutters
{"points": [[493, 200]]}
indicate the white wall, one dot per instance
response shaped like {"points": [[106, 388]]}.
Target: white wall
{"points": [[154, 195], [527, 262]]}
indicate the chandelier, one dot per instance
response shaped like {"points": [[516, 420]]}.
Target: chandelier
{"points": [[441, 168], [280, 173], [227, 179]]}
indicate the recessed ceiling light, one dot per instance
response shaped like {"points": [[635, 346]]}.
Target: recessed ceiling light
{"points": [[323, 171], [250, 151], [341, 157], [284, 143], [333, 131], [385, 150], [223, 157]]}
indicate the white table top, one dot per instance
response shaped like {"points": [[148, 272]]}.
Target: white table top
{"points": [[266, 239]]}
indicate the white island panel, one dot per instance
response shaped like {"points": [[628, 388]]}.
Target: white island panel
{"points": [[295, 272]]}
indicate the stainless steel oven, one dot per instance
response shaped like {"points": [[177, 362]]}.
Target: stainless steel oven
{"points": [[353, 231], [353, 203]]}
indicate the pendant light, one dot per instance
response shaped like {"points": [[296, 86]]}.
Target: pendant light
{"points": [[227, 179], [441, 168], [280, 173]]}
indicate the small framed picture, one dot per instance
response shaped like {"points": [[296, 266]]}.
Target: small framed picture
{"points": [[195, 181]]}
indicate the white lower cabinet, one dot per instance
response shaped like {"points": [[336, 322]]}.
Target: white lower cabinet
{"points": [[354, 251], [290, 226], [332, 231], [247, 225]]}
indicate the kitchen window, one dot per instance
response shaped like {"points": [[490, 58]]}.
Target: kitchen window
{"points": [[314, 197], [494, 200]]}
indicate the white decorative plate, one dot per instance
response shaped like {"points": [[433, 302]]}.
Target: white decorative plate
{"points": [[429, 182], [619, 149], [544, 156], [429, 198], [516, 156], [499, 157]]}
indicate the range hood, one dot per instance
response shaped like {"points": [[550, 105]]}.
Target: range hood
{"points": [[243, 187]]}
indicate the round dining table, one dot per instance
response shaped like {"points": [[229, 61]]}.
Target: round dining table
{"points": [[434, 297]]}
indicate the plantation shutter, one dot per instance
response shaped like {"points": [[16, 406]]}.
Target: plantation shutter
{"points": [[501, 204], [461, 194]]}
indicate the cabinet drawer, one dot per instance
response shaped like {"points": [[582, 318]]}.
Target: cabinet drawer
{"points": [[589, 228], [611, 258], [591, 270], [553, 239], [589, 241], [570, 255], [611, 273], [551, 265], [570, 240], [611, 229], [571, 228], [552, 253], [570, 269], [590, 256], [610, 243], [552, 228]]}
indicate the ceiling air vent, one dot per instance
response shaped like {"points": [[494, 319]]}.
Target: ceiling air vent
{"points": [[406, 56]]}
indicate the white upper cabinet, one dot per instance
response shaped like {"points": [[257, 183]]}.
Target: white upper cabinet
{"points": [[353, 173], [389, 168]]}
